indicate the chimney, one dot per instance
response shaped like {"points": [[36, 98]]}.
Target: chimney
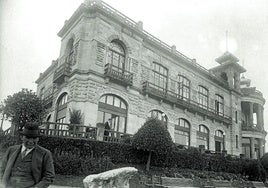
{"points": [[140, 25]]}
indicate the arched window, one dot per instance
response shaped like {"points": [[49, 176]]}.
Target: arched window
{"points": [[219, 141], [113, 109], [182, 132], [203, 136], [202, 96], [62, 110], [219, 105], [160, 77], [183, 87], [117, 56], [159, 115]]}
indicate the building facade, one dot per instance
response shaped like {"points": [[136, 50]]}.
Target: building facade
{"points": [[109, 68]]}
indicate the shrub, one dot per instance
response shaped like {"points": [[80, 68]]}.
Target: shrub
{"points": [[153, 137], [253, 170], [70, 164], [77, 156], [264, 162]]}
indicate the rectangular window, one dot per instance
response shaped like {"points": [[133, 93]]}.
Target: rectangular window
{"points": [[159, 77], [182, 137], [202, 97], [236, 117], [219, 105], [184, 88], [110, 100]]}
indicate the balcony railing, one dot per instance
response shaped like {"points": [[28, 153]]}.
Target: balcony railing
{"points": [[174, 98], [64, 70], [80, 131], [114, 136], [61, 73], [251, 91], [118, 75], [252, 129]]}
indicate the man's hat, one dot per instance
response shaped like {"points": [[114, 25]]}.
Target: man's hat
{"points": [[31, 131]]}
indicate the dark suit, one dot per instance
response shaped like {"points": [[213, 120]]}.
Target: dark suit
{"points": [[42, 165]]}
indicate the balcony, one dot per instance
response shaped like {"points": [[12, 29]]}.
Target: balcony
{"points": [[118, 75], [61, 73], [174, 98], [252, 128], [252, 92]]}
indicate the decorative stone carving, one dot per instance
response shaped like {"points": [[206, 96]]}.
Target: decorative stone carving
{"points": [[118, 178]]}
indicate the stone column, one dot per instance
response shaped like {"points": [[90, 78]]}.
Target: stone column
{"points": [[262, 119], [259, 114], [100, 131], [261, 147], [250, 114], [223, 144], [230, 76], [252, 148]]}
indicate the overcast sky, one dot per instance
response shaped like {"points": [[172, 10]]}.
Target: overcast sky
{"points": [[29, 41]]}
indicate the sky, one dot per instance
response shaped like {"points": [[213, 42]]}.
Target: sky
{"points": [[29, 41]]}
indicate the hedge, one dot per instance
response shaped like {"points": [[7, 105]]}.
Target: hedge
{"points": [[78, 156]]}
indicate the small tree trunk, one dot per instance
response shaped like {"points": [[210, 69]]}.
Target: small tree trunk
{"points": [[149, 161]]}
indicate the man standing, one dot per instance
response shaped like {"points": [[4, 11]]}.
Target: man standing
{"points": [[28, 164]]}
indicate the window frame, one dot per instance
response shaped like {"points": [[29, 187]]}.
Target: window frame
{"points": [[62, 109], [203, 93], [159, 77], [179, 128], [201, 135], [121, 61], [110, 110], [219, 105], [184, 88]]}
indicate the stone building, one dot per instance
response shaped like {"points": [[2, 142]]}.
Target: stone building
{"points": [[110, 68]]}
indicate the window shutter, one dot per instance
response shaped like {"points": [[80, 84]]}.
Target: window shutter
{"points": [[100, 53]]}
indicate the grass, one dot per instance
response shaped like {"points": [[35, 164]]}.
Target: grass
{"points": [[69, 180]]}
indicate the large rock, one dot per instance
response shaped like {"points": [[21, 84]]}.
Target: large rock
{"points": [[117, 178]]}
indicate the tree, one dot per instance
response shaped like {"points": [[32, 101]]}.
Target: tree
{"points": [[153, 137], [75, 118], [264, 162], [2, 118], [23, 107]]}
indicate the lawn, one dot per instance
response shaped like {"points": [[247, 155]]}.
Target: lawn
{"points": [[69, 180]]}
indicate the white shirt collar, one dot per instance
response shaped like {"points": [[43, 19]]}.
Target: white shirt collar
{"points": [[24, 148]]}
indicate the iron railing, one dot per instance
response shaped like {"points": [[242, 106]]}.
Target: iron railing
{"points": [[174, 98], [118, 74], [79, 131]]}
